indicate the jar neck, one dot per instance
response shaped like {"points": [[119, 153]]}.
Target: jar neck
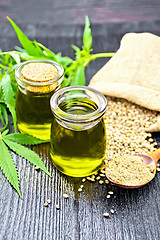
{"points": [[77, 126], [39, 92], [78, 108], [38, 89]]}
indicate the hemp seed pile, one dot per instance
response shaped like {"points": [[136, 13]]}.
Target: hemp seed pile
{"points": [[129, 170], [39, 72], [126, 123]]}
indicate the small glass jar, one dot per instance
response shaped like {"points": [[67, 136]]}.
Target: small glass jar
{"points": [[78, 138], [35, 89]]}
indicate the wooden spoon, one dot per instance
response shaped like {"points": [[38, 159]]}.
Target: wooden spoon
{"points": [[150, 159]]}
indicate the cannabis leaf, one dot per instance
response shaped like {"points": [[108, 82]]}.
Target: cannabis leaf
{"points": [[8, 96], [24, 139], [79, 77], [32, 48], [13, 142], [87, 36], [8, 167]]}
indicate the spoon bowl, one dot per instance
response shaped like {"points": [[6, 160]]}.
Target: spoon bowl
{"points": [[149, 159]]}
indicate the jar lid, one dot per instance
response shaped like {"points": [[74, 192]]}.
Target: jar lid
{"points": [[39, 75]]}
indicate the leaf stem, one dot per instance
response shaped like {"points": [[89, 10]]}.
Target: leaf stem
{"points": [[97, 55]]}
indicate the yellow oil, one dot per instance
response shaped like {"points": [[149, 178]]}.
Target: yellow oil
{"points": [[34, 115], [78, 153]]}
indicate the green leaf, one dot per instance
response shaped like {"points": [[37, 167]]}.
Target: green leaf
{"points": [[48, 52], [5, 132], [87, 36], [67, 80], [8, 167], [15, 56], [66, 61], [9, 70], [9, 96], [19, 49], [28, 45], [79, 77], [24, 139], [77, 49], [38, 49], [26, 153], [3, 116], [77, 52]]}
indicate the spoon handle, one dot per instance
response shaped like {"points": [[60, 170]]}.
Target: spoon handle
{"points": [[155, 155]]}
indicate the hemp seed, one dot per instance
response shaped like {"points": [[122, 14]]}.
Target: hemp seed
{"points": [[37, 168], [106, 181], [128, 133], [106, 214], [46, 204], [65, 195], [57, 207], [110, 192], [101, 181], [112, 211]]}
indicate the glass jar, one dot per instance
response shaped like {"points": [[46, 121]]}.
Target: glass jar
{"points": [[35, 88], [78, 138]]}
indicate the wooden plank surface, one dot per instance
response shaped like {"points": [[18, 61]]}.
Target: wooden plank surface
{"points": [[72, 12], [137, 212]]}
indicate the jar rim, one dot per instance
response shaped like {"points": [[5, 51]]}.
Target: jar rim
{"points": [[80, 118], [39, 83]]}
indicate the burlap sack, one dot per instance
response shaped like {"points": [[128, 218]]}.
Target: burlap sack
{"points": [[134, 72]]}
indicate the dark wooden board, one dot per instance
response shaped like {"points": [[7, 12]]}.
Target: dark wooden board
{"points": [[72, 12], [81, 215]]}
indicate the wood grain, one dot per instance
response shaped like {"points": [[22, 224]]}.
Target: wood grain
{"points": [[80, 217], [73, 12]]}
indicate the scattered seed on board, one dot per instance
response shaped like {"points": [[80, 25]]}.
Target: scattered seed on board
{"points": [[108, 196], [158, 169], [83, 180], [97, 178], [49, 201], [37, 168], [81, 186], [110, 192], [106, 181], [80, 190], [112, 211], [46, 204], [65, 195], [102, 175], [92, 180], [106, 214], [101, 181], [57, 207]]}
